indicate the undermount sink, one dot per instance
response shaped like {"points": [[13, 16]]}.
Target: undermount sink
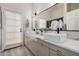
{"points": [[55, 37]]}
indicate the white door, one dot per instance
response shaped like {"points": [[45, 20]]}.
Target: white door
{"points": [[12, 29]]}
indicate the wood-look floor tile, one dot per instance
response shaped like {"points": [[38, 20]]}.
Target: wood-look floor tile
{"points": [[19, 51]]}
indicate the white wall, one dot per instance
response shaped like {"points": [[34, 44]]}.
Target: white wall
{"points": [[24, 8]]}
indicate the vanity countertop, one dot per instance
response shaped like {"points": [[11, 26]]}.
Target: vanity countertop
{"points": [[69, 44]]}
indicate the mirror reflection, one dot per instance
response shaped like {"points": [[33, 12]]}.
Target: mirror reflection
{"points": [[60, 16]]}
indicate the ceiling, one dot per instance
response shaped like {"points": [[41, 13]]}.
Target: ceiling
{"points": [[16, 6]]}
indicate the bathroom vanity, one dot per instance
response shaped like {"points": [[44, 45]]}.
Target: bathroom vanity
{"points": [[43, 47]]}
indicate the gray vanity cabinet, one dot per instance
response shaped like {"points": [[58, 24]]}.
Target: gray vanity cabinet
{"points": [[65, 52], [31, 43], [55, 50], [42, 48], [52, 52], [26, 40], [62, 52], [55, 53], [33, 46]]}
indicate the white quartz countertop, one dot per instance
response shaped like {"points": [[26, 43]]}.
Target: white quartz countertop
{"points": [[69, 44]]}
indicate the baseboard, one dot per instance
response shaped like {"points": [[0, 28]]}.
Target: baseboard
{"points": [[12, 46]]}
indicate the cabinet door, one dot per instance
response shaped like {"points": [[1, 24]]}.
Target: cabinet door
{"points": [[43, 50], [67, 52], [26, 41], [61, 51], [54, 50], [33, 45], [64, 52], [52, 53]]}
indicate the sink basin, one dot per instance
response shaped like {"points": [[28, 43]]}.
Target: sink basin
{"points": [[55, 37]]}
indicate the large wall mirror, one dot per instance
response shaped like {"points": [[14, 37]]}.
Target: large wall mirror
{"points": [[61, 15]]}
